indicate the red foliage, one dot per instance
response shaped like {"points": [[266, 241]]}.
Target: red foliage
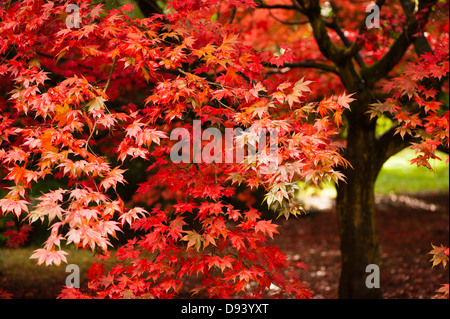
{"points": [[83, 101], [50, 127], [429, 120], [17, 237], [440, 256]]}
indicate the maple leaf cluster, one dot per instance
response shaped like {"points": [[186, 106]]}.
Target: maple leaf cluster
{"points": [[16, 235], [425, 118], [72, 114], [440, 256]]}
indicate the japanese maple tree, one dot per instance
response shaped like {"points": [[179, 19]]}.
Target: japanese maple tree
{"points": [[394, 62], [88, 92], [79, 103]]}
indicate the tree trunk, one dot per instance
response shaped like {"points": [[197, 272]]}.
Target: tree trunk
{"points": [[356, 211]]}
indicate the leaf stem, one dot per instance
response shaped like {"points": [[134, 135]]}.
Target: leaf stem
{"points": [[90, 135], [110, 75]]}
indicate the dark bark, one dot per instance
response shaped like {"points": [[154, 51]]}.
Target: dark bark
{"points": [[355, 207], [149, 7]]}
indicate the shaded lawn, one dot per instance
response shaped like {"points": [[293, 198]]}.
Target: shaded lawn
{"points": [[399, 176], [406, 231], [23, 278]]}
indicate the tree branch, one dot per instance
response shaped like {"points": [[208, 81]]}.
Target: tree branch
{"points": [[380, 69], [262, 5], [110, 75], [332, 52], [149, 7], [353, 47], [287, 22], [306, 64], [390, 144], [444, 149]]}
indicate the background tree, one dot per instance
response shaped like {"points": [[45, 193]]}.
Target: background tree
{"points": [[331, 40]]}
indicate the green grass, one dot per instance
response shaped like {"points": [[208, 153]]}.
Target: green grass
{"points": [[399, 176]]}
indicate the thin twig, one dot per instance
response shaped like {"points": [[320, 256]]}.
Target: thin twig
{"points": [[233, 15], [225, 106], [334, 26], [305, 64], [104, 90], [110, 75], [90, 135], [287, 22]]}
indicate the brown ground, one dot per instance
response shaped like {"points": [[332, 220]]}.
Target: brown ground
{"points": [[407, 227]]}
